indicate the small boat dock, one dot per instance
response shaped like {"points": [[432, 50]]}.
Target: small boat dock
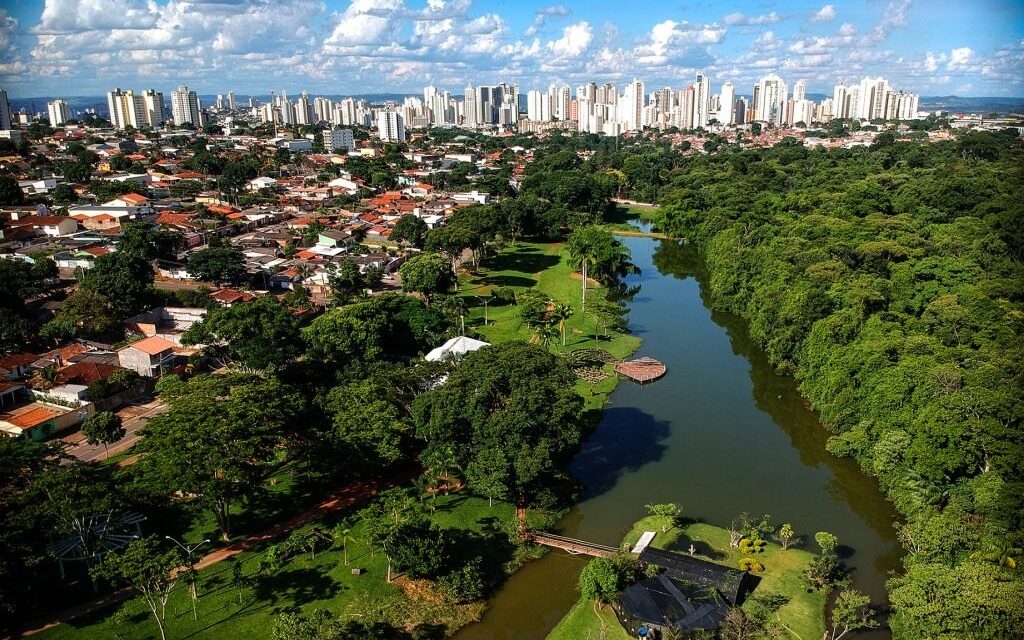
{"points": [[641, 370]]}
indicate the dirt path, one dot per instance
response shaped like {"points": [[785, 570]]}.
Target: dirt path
{"points": [[343, 498]]}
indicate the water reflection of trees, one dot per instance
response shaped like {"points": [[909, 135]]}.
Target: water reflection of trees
{"points": [[779, 397]]}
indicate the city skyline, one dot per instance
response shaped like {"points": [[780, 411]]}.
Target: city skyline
{"points": [[60, 47]]}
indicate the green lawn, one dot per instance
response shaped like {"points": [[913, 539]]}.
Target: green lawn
{"points": [[583, 622], [783, 575], [306, 583], [546, 267]]}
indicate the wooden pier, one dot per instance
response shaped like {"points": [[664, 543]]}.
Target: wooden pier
{"points": [[572, 545]]}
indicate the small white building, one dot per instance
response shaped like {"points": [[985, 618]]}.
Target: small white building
{"points": [[263, 182], [455, 348]]}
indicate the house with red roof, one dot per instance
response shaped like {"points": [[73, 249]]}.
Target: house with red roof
{"points": [[149, 357]]}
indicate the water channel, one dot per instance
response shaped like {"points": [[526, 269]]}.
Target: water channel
{"points": [[721, 434]]}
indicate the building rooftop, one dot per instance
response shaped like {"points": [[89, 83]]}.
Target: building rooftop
{"points": [[153, 346]]}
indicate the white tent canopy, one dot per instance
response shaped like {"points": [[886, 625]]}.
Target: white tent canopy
{"points": [[455, 347]]}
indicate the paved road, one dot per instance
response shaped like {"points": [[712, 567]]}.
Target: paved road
{"points": [[133, 416]]}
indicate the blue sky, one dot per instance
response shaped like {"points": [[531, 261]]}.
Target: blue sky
{"points": [[86, 47]]}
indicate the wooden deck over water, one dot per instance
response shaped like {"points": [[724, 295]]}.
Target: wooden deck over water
{"points": [[641, 370]]}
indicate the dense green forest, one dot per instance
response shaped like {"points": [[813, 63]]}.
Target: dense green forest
{"points": [[888, 280]]}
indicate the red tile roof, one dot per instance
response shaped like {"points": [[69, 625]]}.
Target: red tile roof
{"points": [[134, 198], [33, 417], [153, 346], [85, 373]]}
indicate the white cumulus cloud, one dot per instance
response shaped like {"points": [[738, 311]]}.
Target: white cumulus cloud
{"points": [[825, 14], [574, 41]]}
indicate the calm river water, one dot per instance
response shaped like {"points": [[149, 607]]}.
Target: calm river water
{"points": [[721, 434]]}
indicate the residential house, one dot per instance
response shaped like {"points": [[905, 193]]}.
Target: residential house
{"points": [[149, 357]]}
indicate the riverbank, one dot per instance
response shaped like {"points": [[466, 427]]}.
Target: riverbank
{"points": [[782, 579]]}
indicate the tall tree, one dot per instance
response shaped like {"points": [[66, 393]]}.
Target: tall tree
{"points": [[427, 274], [258, 335], [597, 253], [218, 442], [125, 277], [411, 229], [217, 263], [103, 428], [514, 397], [149, 570]]}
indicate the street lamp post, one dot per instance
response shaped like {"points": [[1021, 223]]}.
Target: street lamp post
{"points": [[485, 302], [190, 559]]}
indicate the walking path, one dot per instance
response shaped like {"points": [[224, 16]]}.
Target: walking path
{"points": [[341, 499]]}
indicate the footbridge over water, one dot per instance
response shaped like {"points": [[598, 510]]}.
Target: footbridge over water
{"points": [[572, 545]]}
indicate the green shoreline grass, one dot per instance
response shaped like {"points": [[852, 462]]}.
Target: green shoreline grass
{"points": [[783, 575]]}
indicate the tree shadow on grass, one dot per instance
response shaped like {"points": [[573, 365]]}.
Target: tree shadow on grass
{"points": [[511, 281], [524, 259], [295, 585], [701, 549], [627, 439]]}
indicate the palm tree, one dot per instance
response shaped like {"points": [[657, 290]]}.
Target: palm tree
{"points": [[561, 313], [45, 378], [597, 253], [546, 333], [582, 252]]}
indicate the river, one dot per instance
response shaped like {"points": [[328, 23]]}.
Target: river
{"points": [[720, 434]]}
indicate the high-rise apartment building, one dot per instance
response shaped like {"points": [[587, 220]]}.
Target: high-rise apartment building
{"points": [[701, 102], [469, 107], [58, 112], [771, 97], [185, 107], [125, 109], [5, 112], [153, 108], [631, 109], [391, 126], [727, 104]]}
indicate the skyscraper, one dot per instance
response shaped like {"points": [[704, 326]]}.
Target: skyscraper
{"points": [[5, 111], [58, 112], [771, 99], [632, 106], [185, 107], [871, 98], [701, 102], [727, 100], [840, 102], [153, 104], [390, 126], [469, 107], [535, 105]]}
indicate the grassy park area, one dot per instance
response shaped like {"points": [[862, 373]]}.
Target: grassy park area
{"points": [[544, 267], [802, 613], [249, 609]]}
